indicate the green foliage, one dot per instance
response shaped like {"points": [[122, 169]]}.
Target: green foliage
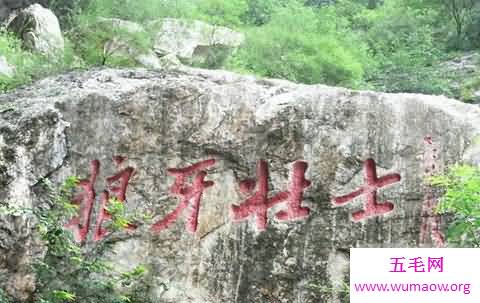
{"points": [[469, 88], [141, 11], [471, 39], [342, 290], [387, 45], [108, 41], [457, 19], [22, 61], [62, 296], [116, 209], [28, 66], [3, 297], [259, 12], [461, 185], [402, 42], [69, 272], [290, 47], [221, 12]]}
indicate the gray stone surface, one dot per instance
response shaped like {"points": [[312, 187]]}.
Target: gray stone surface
{"points": [[167, 120]]}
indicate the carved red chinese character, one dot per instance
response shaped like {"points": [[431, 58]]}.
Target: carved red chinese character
{"points": [[259, 203], [369, 189], [117, 188], [189, 195], [85, 199]]}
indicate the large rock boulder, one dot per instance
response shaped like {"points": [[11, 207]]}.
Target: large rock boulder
{"points": [[173, 120], [194, 42], [39, 30]]}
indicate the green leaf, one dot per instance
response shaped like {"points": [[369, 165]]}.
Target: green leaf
{"points": [[63, 295]]}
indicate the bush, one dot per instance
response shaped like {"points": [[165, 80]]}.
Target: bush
{"points": [[468, 89], [110, 42], [396, 47], [140, 11], [259, 12], [304, 45], [461, 186], [69, 272], [220, 12], [402, 42], [472, 31], [29, 66]]}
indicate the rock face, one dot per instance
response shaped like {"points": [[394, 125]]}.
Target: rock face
{"points": [[176, 119], [6, 70], [194, 42], [39, 30]]}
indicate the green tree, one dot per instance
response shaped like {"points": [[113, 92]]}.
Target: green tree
{"points": [[461, 14]]}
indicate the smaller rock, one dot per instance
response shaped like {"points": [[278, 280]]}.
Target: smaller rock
{"points": [[467, 63], [6, 70], [194, 42], [39, 30], [123, 43]]}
